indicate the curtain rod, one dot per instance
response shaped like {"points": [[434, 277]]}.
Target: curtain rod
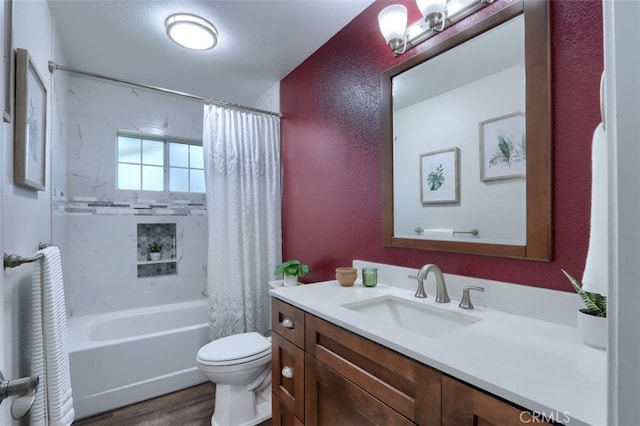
{"points": [[53, 67]]}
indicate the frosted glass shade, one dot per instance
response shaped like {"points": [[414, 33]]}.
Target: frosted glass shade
{"points": [[393, 22]]}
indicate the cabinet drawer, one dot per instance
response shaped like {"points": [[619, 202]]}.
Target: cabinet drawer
{"points": [[282, 415], [405, 385], [287, 374], [463, 405], [288, 321], [332, 400]]}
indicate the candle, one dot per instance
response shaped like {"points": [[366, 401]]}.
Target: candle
{"points": [[369, 277]]}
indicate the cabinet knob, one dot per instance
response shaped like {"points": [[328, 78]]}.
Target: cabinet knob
{"points": [[287, 372], [287, 323]]}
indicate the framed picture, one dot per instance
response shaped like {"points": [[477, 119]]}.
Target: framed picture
{"points": [[439, 176], [503, 147], [30, 124], [7, 59]]}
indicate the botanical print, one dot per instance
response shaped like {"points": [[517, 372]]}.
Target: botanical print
{"points": [[508, 152], [439, 176], [503, 148], [33, 134], [30, 124], [436, 178]]}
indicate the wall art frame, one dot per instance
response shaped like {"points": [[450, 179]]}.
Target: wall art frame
{"points": [[503, 147], [7, 60], [30, 146], [440, 176]]}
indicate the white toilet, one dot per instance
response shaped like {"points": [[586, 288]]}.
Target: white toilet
{"points": [[240, 366]]}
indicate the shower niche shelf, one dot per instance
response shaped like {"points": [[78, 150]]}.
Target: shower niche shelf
{"points": [[165, 235], [155, 262]]}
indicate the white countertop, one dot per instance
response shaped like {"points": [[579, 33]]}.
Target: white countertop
{"points": [[539, 365]]}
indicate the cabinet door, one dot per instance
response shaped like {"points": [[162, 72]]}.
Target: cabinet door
{"points": [[287, 374], [333, 400], [283, 415], [463, 405], [405, 385], [288, 321]]}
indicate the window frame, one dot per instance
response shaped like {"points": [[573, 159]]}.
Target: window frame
{"points": [[166, 166]]}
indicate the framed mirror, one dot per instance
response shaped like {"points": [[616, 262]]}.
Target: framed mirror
{"points": [[466, 149]]}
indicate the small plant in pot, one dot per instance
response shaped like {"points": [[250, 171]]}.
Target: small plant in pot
{"points": [[291, 270], [155, 249], [592, 320]]}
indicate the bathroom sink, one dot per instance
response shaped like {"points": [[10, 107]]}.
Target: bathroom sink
{"points": [[413, 316]]}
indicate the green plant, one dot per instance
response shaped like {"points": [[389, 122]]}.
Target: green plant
{"points": [[595, 302], [155, 247], [291, 267]]}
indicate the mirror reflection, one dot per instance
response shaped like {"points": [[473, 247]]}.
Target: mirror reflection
{"points": [[470, 162], [459, 145]]}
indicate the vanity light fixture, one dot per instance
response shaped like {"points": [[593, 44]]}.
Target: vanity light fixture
{"points": [[436, 16], [191, 31], [393, 22], [433, 12]]}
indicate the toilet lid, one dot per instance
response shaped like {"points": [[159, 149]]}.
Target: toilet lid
{"points": [[238, 347]]}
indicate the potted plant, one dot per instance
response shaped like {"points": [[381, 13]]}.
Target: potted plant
{"points": [[155, 249], [291, 270], [592, 320]]}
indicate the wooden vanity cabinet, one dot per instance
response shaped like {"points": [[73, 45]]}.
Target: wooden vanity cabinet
{"points": [[340, 378], [403, 386], [463, 405], [333, 400], [287, 364], [382, 386]]}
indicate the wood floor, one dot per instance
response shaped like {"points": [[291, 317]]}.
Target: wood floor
{"points": [[188, 407]]}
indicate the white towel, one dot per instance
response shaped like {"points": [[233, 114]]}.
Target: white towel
{"points": [[438, 232], [53, 405], [596, 270]]}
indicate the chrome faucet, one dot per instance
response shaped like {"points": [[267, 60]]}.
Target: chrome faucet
{"points": [[441, 287]]}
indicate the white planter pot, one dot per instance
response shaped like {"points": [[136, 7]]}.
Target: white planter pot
{"points": [[593, 330], [290, 280], [154, 256]]}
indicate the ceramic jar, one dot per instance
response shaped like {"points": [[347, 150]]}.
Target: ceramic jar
{"points": [[346, 276]]}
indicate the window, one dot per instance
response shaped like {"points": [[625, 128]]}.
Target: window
{"points": [[155, 164]]}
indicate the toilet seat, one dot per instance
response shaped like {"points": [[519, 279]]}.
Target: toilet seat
{"points": [[233, 350]]}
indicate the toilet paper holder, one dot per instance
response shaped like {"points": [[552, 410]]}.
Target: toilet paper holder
{"points": [[25, 387]]}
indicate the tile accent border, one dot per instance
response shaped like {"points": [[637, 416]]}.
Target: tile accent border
{"points": [[140, 207]]}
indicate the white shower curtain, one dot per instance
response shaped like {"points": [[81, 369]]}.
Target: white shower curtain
{"points": [[242, 172]]}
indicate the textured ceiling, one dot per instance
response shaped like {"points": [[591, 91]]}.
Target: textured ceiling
{"points": [[259, 43]]}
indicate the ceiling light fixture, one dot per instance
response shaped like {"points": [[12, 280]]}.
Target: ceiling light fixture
{"points": [[436, 16], [191, 31]]}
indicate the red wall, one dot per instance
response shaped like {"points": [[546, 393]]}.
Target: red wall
{"points": [[331, 153]]}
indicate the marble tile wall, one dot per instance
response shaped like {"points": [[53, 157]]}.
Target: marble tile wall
{"points": [[100, 262], [95, 225]]}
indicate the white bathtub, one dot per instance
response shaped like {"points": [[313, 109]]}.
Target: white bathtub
{"points": [[123, 357]]}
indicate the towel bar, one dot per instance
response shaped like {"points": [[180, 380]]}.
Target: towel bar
{"points": [[25, 387], [474, 232], [13, 260]]}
